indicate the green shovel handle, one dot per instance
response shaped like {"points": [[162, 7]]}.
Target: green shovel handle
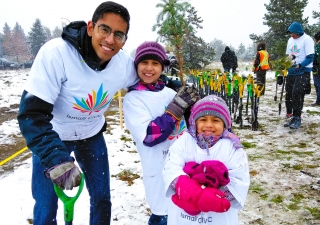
{"points": [[68, 202]]}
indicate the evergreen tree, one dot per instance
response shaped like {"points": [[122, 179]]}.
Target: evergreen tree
{"points": [[37, 37], [250, 52], [48, 33], [314, 28], [241, 51], [281, 13], [218, 47], [197, 53], [56, 32], [171, 27], [1, 39], [6, 37]]}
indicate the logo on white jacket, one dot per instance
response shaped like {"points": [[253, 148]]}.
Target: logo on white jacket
{"points": [[94, 102], [178, 130]]}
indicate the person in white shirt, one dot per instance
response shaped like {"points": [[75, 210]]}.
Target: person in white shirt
{"points": [[300, 48], [71, 84], [154, 115], [206, 173]]}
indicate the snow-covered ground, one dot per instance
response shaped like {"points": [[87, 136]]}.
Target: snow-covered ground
{"points": [[284, 167]]}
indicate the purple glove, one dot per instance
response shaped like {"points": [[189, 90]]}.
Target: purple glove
{"points": [[185, 97], [65, 175], [211, 173]]}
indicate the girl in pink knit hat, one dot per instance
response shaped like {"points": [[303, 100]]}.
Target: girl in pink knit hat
{"points": [[206, 172], [153, 114]]}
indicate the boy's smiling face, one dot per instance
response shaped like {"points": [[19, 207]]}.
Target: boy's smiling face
{"points": [[209, 125]]}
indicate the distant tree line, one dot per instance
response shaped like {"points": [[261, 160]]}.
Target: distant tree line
{"points": [[14, 43]]}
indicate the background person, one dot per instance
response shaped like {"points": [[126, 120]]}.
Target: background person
{"points": [[71, 84], [153, 114], [316, 69], [215, 187], [229, 60], [301, 47], [261, 64]]}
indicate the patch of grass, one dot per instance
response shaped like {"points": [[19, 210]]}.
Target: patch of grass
{"points": [[256, 188], [299, 153], [313, 112], [264, 196], [126, 175], [111, 113], [312, 166], [253, 157], [286, 165], [257, 222], [277, 199], [127, 131], [125, 139], [297, 197], [249, 136], [297, 167], [315, 212], [293, 206], [312, 128], [248, 144], [311, 132], [133, 151], [298, 145], [253, 172]]}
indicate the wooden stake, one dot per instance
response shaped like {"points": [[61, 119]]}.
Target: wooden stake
{"points": [[120, 109]]}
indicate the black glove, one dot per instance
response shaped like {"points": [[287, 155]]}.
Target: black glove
{"points": [[297, 66], [315, 70], [280, 79], [185, 97], [65, 175]]}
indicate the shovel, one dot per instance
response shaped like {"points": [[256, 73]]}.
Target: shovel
{"points": [[68, 202]]}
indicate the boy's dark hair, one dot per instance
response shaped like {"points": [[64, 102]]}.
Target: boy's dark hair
{"points": [[261, 46], [317, 36], [111, 7]]}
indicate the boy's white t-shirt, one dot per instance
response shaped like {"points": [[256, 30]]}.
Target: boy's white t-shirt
{"points": [[184, 150], [80, 95], [300, 47], [140, 108]]}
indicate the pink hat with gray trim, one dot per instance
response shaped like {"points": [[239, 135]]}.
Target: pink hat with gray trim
{"points": [[211, 105]]}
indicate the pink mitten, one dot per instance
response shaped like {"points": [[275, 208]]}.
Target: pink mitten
{"points": [[187, 206], [206, 179], [205, 199], [213, 200], [218, 170], [188, 189], [192, 168]]}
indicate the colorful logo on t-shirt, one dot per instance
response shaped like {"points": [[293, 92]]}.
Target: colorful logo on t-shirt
{"points": [[94, 103], [178, 130], [294, 49]]}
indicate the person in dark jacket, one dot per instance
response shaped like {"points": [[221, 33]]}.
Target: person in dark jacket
{"points": [[316, 69], [300, 46], [261, 64], [229, 60], [70, 86]]}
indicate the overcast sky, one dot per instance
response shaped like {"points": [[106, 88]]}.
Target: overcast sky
{"points": [[228, 20]]}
